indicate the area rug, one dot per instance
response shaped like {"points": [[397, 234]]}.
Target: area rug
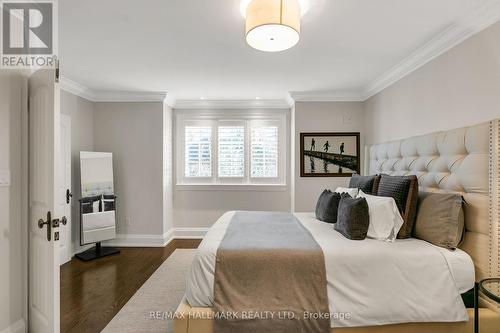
{"points": [[148, 309]]}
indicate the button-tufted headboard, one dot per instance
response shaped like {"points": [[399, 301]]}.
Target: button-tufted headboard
{"points": [[464, 160]]}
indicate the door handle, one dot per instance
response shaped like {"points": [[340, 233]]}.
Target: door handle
{"points": [[56, 223], [69, 195], [50, 223], [41, 223]]}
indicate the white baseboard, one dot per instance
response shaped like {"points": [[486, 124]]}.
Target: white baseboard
{"points": [[190, 233], [136, 240], [17, 327]]}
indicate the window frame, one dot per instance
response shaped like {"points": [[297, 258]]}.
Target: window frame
{"points": [[215, 119]]}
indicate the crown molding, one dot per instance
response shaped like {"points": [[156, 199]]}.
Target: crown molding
{"points": [[94, 95], [232, 104], [76, 88], [129, 96], [455, 34], [326, 96]]}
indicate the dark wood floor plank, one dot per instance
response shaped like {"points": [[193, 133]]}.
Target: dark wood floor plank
{"points": [[93, 292]]}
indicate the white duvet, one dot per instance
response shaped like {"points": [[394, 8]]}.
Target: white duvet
{"points": [[370, 282]]}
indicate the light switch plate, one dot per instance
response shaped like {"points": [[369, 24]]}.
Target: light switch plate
{"points": [[4, 178]]}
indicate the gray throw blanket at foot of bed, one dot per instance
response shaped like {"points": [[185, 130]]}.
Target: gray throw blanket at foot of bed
{"points": [[269, 277]]}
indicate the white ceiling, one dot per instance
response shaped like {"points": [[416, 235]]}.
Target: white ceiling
{"points": [[194, 48]]}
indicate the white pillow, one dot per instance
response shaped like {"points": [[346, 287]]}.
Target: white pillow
{"points": [[95, 207], [353, 192], [385, 219]]}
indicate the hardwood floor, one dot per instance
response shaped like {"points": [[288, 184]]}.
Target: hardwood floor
{"points": [[93, 292]]}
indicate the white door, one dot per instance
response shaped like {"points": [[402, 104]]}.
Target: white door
{"points": [[44, 141], [64, 183]]}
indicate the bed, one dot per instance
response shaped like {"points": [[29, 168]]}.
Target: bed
{"points": [[387, 286]]}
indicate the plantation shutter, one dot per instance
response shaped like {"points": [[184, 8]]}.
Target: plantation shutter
{"points": [[198, 151], [264, 152], [231, 151]]}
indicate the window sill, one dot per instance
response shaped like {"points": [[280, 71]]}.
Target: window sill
{"points": [[232, 187]]}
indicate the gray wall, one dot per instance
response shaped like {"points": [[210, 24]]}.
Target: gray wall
{"points": [[11, 239], [459, 88], [168, 192], [201, 208], [322, 117], [81, 112], [133, 132]]}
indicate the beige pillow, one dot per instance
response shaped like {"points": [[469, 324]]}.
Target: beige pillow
{"points": [[440, 219]]}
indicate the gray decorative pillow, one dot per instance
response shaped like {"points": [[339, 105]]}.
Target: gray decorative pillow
{"points": [[91, 204], [87, 208], [318, 203], [109, 205], [404, 190], [367, 184], [353, 218], [327, 205], [109, 202], [440, 219]]}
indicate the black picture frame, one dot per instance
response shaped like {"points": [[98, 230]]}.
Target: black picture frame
{"points": [[341, 161]]}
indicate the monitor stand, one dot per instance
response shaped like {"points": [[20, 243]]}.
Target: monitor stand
{"points": [[97, 252]]}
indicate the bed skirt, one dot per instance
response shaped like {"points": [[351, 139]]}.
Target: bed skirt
{"points": [[197, 320]]}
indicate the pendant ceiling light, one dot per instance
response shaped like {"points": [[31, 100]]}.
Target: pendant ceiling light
{"points": [[273, 25]]}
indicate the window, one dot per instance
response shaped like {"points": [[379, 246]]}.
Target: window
{"points": [[198, 152], [264, 152], [231, 149]]}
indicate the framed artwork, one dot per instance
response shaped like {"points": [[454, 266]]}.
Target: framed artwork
{"points": [[329, 154]]}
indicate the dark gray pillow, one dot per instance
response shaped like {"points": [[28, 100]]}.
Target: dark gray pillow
{"points": [[87, 207], [440, 219], [109, 205], [327, 205], [318, 203], [367, 184], [404, 190], [88, 204], [353, 218]]}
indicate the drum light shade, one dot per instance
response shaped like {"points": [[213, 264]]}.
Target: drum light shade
{"points": [[273, 25]]}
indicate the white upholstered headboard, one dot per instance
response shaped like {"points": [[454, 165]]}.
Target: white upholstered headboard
{"points": [[464, 160]]}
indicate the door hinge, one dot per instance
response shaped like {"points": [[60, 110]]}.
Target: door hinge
{"points": [[57, 71]]}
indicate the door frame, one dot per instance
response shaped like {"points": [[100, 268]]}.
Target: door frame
{"points": [[68, 209], [25, 195]]}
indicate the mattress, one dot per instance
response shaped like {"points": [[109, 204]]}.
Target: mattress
{"points": [[369, 282]]}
